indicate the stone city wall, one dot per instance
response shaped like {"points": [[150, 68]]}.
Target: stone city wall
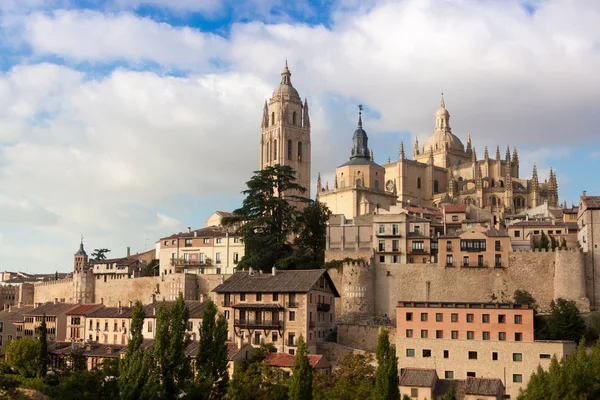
{"points": [[361, 336], [48, 291]]}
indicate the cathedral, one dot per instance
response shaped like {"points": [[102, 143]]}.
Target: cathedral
{"points": [[442, 171]]}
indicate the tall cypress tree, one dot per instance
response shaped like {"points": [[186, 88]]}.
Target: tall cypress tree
{"points": [[212, 360], [386, 377], [302, 374], [137, 364], [44, 346]]}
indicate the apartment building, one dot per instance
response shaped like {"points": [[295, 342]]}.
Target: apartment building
{"points": [[76, 319], [210, 250], [279, 307], [454, 215], [463, 340], [196, 311], [526, 234], [477, 247], [129, 266], [11, 325], [55, 314]]}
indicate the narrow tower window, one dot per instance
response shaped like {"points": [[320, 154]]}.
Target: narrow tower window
{"points": [[299, 151], [289, 149], [273, 118], [294, 118], [418, 183], [275, 150], [435, 187], [268, 151]]}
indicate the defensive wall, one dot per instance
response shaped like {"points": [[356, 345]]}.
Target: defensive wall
{"points": [[362, 336], [50, 290], [368, 288]]}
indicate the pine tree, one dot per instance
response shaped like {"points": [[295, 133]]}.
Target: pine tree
{"points": [[212, 360], [564, 244], [302, 374], [544, 242], [565, 322], [44, 346], [386, 377]]}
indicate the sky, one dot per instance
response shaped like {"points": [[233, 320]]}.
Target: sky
{"points": [[124, 121]]}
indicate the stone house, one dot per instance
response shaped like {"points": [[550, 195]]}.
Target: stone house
{"points": [[476, 247], [56, 320], [11, 325], [285, 362]]}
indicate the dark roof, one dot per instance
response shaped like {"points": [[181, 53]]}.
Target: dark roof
{"points": [[88, 349], [196, 308], [412, 218], [418, 377], [572, 226], [421, 210], [128, 261], [360, 161], [496, 233], [458, 304], [483, 386], [15, 314], [557, 223], [416, 235], [296, 281], [224, 213], [83, 309], [192, 349], [208, 232], [255, 305], [111, 312], [52, 309]]}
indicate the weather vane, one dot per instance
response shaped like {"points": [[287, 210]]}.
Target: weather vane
{"points": [[360, 107]]}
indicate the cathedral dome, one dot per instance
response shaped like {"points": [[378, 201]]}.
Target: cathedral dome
{"points": [[440, 139], [285, 90], [442, 112]]}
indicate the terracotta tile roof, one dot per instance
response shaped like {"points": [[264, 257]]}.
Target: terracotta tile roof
{"points": [[284, 360], [196, 308], [496, 233], [419, 377], [291, 281], [421, 210], [52, 309], [15, 314], [111, 312], [417, 219], [208, 232], [592, 202], [483, 386], [455, 208], [558, 223], [84, 309]]}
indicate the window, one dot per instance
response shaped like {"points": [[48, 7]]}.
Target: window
{"points": [[494, 356], [274, 337], [414, 393], [517, 378], [236, 239], [294, 118], [258, 296], [448, 245], [292, 316], [536, 232], [149, 326], [454, 334], [480, 260], [454, 317], [410, 352], [501, 319], [471, 374], [470, 335], [517, 357], [438, 317], [381, 259], [449, 260], [498, 260], [472, 355], [423, 316], [201, 257], [292, 351], [299, 151], [226, 314], [517, 234], [219, 240], [218, 258], [409, 333], [409, 316], [469, 317], [426, 353], [418, 183], [439, 334], [517, 319], [486, 318], [289, 149], [424, 334], [166, 242], [455, 218], [275, 296], [382, 245], [449, 374], [472, 245], [395, 245], [275, 150], [411, 260], [419, 245], [417, 229], [173, 242], [206, 241], [236, 258], [518, 336], [465, 261], [242, 296], [395, 229], [498, 247], [381, 229], [446, 353], [545, 356], [501, 335], [485, 336], [188, 242]]}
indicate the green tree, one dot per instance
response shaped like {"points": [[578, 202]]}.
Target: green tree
{"points": [[386, 377], [565, 322], [352, 380], [553, 242], [43, 346], [524, 297], [77, 361], [544, 242], [451, 395], [170, 342], [270, 220], [564, 244], [310, 243], [151, 269], [98, 255], [302, 374], [212, 360], [24, 356]]}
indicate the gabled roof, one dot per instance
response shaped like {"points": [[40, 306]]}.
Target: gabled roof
{"points": [[483, 386], [291, 281], [284, 360], [196, 308], [15, 314], [419, 377], [557, 223], [84, 309], [52, 309], [455, 208], [208, 232], [592, 202]]}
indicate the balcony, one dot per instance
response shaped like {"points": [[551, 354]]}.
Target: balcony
{"points": [[418, 251], [323, 307], [181, 262], [290, 343], [257, 324], [291, 304], [226, 303]]}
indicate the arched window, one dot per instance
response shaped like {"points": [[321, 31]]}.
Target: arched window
{"points": [[275, 150], [289, 149], [469, 201], [342, 183], [493, 200], [299, 151], [268, 151], [358, 183], [418, 183], [460, 179], [493, 183], [273, 118], [501, 183], [294, 118], [435, 186], [376, 184]]}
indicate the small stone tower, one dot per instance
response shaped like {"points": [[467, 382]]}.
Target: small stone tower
{"points": [[83, 277], [285, 131]]}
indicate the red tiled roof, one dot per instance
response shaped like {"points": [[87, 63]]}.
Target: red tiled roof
{"points": [[591, 201], [420, 210], [284, 360], [83, 309], [455, 208]]}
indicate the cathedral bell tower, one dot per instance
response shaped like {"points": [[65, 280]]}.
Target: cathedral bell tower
{"points": [[285, 131]]}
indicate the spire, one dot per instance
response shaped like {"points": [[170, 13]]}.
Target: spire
{"points": [[81, 250], [534, 179], [508, 183], [327, 186], [335, 183], [486, 155], [430, 155], [401, 152], [319, 185], [286, 75], [497, 153], [360, 107], [515, 155], [474, 156], [371, 155], [305, 117], [508, 154], [478, 178], [469, 144], [442, 102], [360, 140], [389, 160], [265, 119]]}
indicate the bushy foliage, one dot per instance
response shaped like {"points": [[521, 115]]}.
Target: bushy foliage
{"points": [[565, 323], [24, 356], [302, 374], [386, 377]]}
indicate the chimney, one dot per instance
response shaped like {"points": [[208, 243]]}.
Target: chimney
{"points": [[240, 342], [9, 307], [195, 233], [153, 298], [101, 300], [584, 194], [273, 271], [201, 298], [153, 310], [56, 300], [128, 251], [222, 279], [250, 271], [189, 229], [119, 303], [20, 304]]}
